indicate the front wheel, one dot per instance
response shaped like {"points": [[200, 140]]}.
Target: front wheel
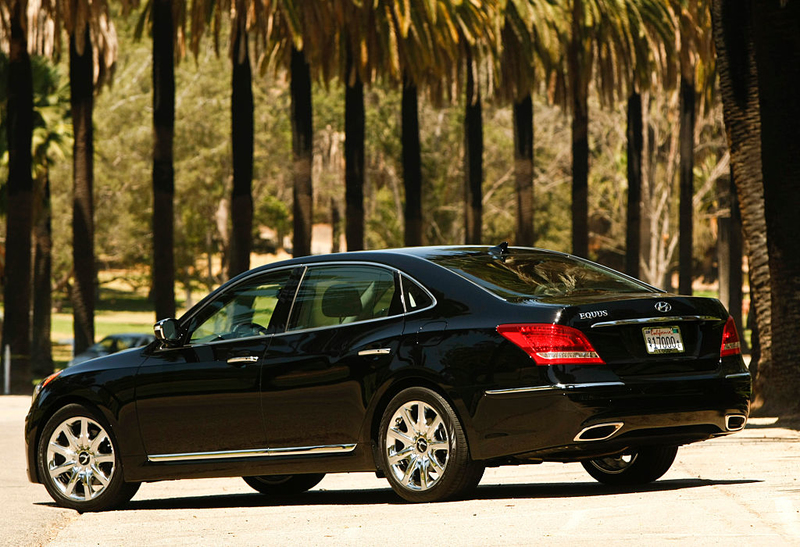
{"points": [[79, 462], [284, 485], [423, 448], [638, 466]]}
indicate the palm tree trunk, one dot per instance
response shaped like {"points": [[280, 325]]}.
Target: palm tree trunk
{"points": [[523, 169], [242, 145], [633, 241], [777, 48], [729, 249], [19, 196], [354, 165], [303, 149], [163, 170], [412, 165], [42, 349], [686, 236], [579, 68], [473, 158], [736, 64], [81, 77]]}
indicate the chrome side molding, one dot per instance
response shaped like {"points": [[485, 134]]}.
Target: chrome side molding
{"points": [[254, 453], [553, 387]]}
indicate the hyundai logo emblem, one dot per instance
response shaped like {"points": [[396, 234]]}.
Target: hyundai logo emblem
{"points": [[663, 307]]}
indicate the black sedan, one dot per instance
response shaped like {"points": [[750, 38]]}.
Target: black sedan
{"points": [[424, 365]]}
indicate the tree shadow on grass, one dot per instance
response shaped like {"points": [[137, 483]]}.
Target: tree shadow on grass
{"points": [[385, 496]]}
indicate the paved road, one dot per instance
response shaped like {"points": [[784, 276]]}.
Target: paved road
{"points": [[743, 488]]}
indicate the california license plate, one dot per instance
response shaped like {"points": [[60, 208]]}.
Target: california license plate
{"points": [[663, 340]]}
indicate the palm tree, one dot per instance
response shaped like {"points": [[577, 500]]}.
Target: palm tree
{"points": [[163, 30], [738, 83], [19, 194], [473, 154], [242, 144], [777, 46]]}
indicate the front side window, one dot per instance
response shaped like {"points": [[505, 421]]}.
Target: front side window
{"points": [[339, 295], [244, 310]]}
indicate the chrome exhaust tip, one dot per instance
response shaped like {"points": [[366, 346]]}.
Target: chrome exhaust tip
{"points": [[735, 422], [598, 432]]}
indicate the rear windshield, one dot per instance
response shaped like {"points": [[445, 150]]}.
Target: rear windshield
{"points": [[521, 276]]}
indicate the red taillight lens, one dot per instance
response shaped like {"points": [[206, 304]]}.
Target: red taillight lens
{"points": [[730, 339], [552, 344]]}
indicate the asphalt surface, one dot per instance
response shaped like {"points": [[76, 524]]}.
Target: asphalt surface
{"points": [[741, 488]]}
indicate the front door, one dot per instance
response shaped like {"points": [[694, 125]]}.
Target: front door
{"points": [[203, 397]]}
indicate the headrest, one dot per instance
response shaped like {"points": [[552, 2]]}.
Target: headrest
{"points": [[341, 301]]}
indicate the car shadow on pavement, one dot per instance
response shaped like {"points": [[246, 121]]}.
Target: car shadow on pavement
{"points": [[385, 496]]}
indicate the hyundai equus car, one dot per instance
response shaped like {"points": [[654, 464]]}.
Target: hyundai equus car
{"points": [[424, 365]]}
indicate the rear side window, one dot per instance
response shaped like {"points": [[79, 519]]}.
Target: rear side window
{"points": [[340, 295], [416, 298], [520, 276]]}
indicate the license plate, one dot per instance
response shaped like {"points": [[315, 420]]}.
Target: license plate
{"points": [[663, 340]]}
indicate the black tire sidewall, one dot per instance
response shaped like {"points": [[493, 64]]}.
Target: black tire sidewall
{"points": [[115, 494], [651, 463], [294, 484]]}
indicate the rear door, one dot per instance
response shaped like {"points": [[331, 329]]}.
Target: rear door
{"points": [[345, 324]]}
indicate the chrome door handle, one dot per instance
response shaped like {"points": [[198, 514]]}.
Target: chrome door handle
{"points": [[377, 351], [241, 360]]}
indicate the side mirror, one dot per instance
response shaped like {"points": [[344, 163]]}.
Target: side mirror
{"points": [[167, 331]]}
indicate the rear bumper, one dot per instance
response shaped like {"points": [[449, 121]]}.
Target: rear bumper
{"points": [[569, 422]]}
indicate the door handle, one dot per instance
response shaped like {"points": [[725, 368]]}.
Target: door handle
{"points": [[377, 351], [242, 360]]}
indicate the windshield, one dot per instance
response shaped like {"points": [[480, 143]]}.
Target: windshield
{"points": [[529, 274]]}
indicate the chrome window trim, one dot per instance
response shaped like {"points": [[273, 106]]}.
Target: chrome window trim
{"points": [[356, 263], [554, 387], [254, 453], [185, 320], [660, 319]]}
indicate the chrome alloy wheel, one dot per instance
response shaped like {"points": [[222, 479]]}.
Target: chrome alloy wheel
{"points": [[614, 465], [417, 446], [80, 458]]}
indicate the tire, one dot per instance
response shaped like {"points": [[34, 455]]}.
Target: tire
{"points": [[79, 462], [638, 466], [284, 485], [423, 448]]}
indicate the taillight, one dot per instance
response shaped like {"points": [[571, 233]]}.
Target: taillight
{"points": [[730, 339], [552, 344]]}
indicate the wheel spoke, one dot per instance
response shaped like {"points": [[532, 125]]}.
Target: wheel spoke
{"points": [[412, 465], [104, 458], [400, 456], [400, 436], [422, 425], [98, 474], [67, 453], [57, 471], [409, 421], [88, 491], [99, 439], [70, 488], [435, 425], [438, 446], [423, 473], [84, 438]]}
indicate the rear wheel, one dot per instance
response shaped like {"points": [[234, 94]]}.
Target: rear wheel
{"points": [[638, 466], [79, 462], [284, 485], [424, 451]]}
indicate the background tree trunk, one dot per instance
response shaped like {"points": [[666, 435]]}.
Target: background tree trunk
{"points": [[303, 150], [242, 144], [686, 221], [633, 230], [523, 169], [354, 165], [412, 165], [42, 349], [19, 196], [729, 249], [738, 76], [81, 78], [163, 170], [777, 46], [473, 158], [579, 73]]}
